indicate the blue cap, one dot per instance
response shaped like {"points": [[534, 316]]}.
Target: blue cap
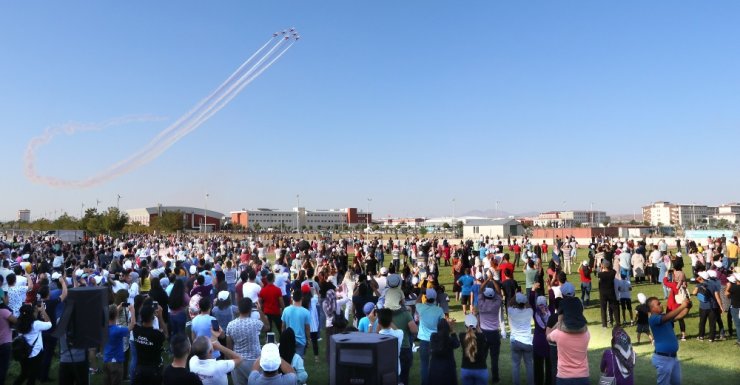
{"points": [[568, 289]]}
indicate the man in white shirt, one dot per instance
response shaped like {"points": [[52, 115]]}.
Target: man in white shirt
{"points": [[385, 319], [211, 371], [251, 289]]}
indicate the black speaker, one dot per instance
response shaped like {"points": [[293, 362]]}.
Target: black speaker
{"points": [[363, 359], [85, 317]]}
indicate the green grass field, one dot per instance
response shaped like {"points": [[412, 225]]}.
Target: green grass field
{"points": [[701, 362]]}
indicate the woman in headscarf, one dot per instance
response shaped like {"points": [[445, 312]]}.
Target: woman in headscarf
{"points": [[542, 363], [619, 361]]}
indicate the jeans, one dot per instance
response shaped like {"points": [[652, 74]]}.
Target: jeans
{"points": [[734, 312], [573, 381], [113, 373], [624, 273], [704, 315], [147, 375], [474, 376], [661, 273], [669, 370], [521, 351], [613, 306], [407, 359], [5, 361], [240, 374], [50, 345], [493, 339], [424, 356], [275, 319], [585, 292], [132, 361], [300, 349]]}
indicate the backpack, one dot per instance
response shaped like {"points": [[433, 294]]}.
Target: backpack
{"points": [[703, 294], [20, 348]]}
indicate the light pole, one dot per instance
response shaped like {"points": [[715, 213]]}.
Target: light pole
{"points": [[592, 215], [367, 214], [118, 201], [205, 217], [453, 216], [82, 210], [297, 211]]}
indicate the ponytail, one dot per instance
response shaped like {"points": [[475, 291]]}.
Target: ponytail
{"points": [[471, 344]]}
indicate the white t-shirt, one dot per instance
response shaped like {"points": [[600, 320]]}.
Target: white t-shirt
{"points": [[211, 372], [520, 322], [251, 290], [399, 335], [34, 336]]}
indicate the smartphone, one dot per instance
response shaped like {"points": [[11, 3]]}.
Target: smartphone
{"points": [[214, 325], [125, 304], [270, 338], [155, 304]]}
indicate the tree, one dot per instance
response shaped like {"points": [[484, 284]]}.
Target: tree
{"points": [[423, 231], [66, 222], [723, 224], [113, 220], [446, 226], [375, 227], [257, 227], [91, 221], [169, 221]]}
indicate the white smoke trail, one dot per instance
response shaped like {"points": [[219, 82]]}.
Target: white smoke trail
{"points": [[187, 123]]}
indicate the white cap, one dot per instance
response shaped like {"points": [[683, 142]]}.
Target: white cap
{"points": [[98, 279], [704, 275], [223, 295], [383, 270], [270, 358], [718, 263], [678, 254], [712, 273], [55, 275], [732, 278], [641, 297], [584, 263], [471, 321], [737, 276], [193, 269], [127, 265], [479, 275]]}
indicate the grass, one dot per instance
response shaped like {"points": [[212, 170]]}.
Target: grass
{"points": [[701, 362]]}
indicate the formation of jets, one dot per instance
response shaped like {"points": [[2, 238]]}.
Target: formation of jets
{"points": [[287, 33]]}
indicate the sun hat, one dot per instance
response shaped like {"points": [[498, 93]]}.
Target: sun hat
{"points": [[641, 297]]}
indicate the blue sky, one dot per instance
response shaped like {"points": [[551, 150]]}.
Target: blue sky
{"points": [[410, 103]]}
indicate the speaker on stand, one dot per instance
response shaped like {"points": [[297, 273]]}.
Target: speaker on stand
{"points": [[85, 317], [363, 359]]}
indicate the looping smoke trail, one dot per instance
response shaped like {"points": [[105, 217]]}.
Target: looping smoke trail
{"points": [[188, 122]]}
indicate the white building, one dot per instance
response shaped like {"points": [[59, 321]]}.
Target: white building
{"points": [[666, 213], [570, 218], [501, 228], [729, 212], [192, 217], [299, 218], [24, 215]]}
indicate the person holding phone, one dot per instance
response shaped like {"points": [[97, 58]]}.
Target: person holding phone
{"points": [[204, 324], [203, 363]]}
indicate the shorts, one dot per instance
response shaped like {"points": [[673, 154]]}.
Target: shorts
{"points": [[643, 328], [465, 299]]}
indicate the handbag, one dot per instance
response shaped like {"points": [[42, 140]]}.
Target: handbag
{"points": [[681, 296], [20, 348]]}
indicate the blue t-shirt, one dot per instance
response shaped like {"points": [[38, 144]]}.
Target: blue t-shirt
{"points": [[201, 326], [429, 315], [663, 334], [475, 291], [113, 351], [482, 252], [364, 324], [296, 318], [466, 281]]}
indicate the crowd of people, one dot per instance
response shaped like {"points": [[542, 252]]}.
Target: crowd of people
{"points": [[251, 308]]}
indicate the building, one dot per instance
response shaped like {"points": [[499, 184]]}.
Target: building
{"points": [[299, 218], [570, 218], [729, 212], [192, 217], [24, 215], [667, 213], [493, 228]]}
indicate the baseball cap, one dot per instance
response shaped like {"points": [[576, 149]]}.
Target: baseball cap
{"points": [[521, 298], [193, 269], [712, 273], [55, 276], [541, 300], [393, 280], [568, 289], [732, 278], [270, 358], [489, 292], [704, 275], [383, 270], [479, 275], [584, 263], [368, 308], [223, 295], [431, 294], [471, 321]]}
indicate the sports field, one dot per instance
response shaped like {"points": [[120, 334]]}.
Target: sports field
{"points": [[701, 362]]}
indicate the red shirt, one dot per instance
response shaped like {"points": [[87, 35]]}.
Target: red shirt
{"points": [[544, 248], [503, 267], [270, 296], [517, 249], [584, 278], [238, 287]]}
